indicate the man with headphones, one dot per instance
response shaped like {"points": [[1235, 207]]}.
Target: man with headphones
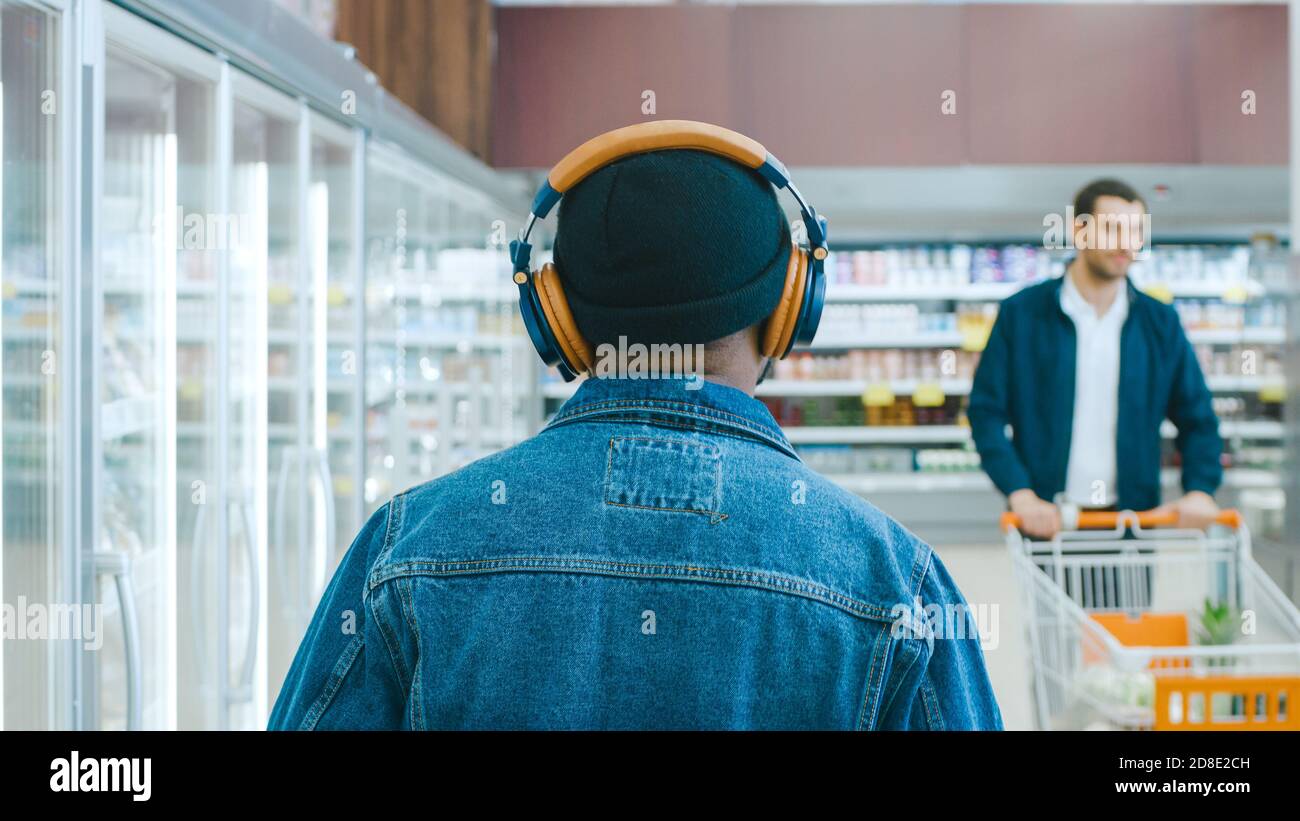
{"points": [[658, 557]]}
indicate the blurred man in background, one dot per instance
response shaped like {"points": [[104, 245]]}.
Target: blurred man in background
{"points": [[1084, 370]]}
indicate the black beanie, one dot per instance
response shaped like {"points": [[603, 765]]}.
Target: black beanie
{"points": [[674, 246]]}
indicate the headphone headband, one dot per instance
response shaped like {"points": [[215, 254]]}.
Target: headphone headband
{"points": [[655, 136], [663, 135]]}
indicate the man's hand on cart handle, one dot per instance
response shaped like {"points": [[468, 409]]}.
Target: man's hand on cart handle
{"points": [[1199, 516], [1038, 518], [1196, 509]]}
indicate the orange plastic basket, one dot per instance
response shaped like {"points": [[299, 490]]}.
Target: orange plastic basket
{"points": [[1147, 630], [1175, 695]]}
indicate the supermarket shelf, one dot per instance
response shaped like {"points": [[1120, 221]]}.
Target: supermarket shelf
{"points": [[27, 380], [962, 387], [868, 483], [423, 387], [1244, 428], [465, 291], [807, 387], [968, 292], [1192, 289], [882, 434], [14, 285], [1230, 384], [1234, 336], [997, 291], [447, 340], [44, 333], [953, 339], [857, 387], [932, 339], [977, 481], [1240, 478], [488, 437], [906, 387], [918, 434]]}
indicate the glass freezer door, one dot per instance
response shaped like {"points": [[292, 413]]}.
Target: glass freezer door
{"points": [[270, 172], [157, 139], [315, 351], [34, 665], [335, 266], [263, 176]]}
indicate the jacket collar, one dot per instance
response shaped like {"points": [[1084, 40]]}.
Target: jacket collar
{"points": [[1055, 285], [1074, 303], [698, 404]]}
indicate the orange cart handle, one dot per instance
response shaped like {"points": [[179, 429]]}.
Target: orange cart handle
{"points": [[1108, 520]]}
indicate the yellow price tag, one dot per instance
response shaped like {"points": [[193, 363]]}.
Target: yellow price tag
{"points": [[336, 297], [975, 336], [278, 294], [928, 395], [1236, 295], [8, 290], [1273, 393], [1160, 291], [878, 395], [191, 390]]}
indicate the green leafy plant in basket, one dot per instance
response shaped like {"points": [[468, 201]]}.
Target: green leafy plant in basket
{"points": [[1220, 624]]}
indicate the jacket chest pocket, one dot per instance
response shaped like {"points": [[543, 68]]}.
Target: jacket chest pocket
{"points": [[672, 475]]}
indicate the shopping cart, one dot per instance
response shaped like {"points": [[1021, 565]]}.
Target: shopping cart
{"points": [[1133, 624]]}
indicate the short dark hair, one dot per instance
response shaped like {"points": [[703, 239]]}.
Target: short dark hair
{"points": [[1086, 199]]}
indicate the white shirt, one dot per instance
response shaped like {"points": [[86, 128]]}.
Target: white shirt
{"points": [[1090, 477]]}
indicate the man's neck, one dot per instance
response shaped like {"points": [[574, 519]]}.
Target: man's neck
{"points": [[743, 382], [1098, 291]]}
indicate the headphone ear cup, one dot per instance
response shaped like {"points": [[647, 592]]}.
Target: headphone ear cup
{"points": [[778, 334], [573, 346]]}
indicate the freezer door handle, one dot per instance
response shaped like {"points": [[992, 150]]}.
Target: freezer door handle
{"points": [[287, 457], [244, 691], [327, 491], [196, 588], [118, 565]]}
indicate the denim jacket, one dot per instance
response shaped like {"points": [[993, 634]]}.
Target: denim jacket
{"points": [[657, 557]]}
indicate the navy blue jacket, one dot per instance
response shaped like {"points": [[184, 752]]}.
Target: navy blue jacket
{"points": [[1026, 380]]}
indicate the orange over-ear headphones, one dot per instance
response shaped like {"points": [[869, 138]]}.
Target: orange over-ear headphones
{"points": [[546, 313]]}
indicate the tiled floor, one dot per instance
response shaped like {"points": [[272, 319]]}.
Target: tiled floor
{"points": [[984, 575]]}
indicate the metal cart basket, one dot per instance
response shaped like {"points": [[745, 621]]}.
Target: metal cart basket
{"points": [[1133, 625]]}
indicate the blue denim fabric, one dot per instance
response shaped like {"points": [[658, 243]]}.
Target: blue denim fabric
{"points": [[656, 557]]}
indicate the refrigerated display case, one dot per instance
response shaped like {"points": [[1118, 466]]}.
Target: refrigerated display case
{"points": [[446, 379], [334, 200], [315, 381], [34, 675], [158, 155], [183, 345]]}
